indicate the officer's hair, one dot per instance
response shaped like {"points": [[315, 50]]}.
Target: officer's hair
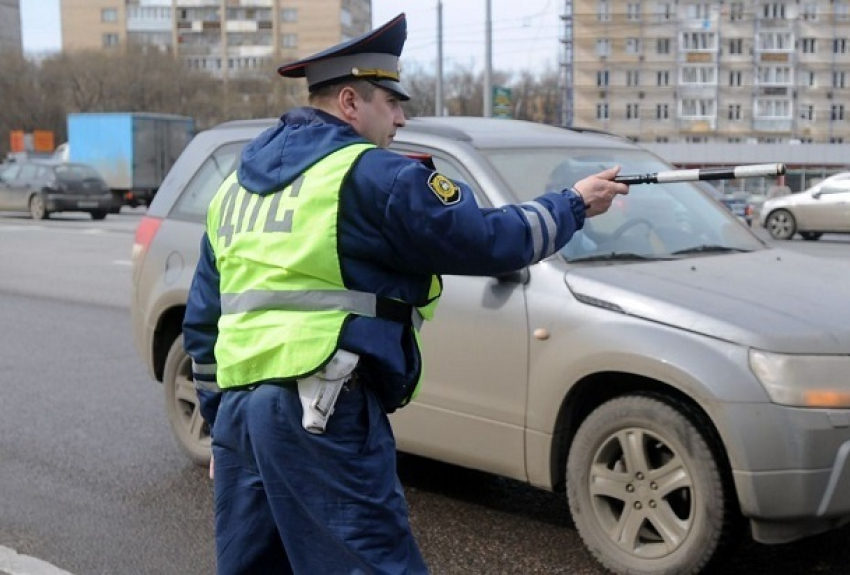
{"points": [[364, 89]]}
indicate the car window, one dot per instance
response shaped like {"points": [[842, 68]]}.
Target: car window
{"points": [[9, 173], [449, 167], [835, 187], [192, 204], [651, 221], [75, 172], [27, 172]]}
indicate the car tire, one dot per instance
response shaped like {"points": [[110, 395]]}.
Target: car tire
{"points": [[38, 208], [781, 225], [660, 506], [98, 214], [181, 403], [811, 236]]}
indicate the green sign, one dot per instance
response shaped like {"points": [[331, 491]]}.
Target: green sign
{"points": [[502, 107]]}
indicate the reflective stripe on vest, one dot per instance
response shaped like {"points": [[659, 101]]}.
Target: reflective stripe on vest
{"points": [[283, 297]]}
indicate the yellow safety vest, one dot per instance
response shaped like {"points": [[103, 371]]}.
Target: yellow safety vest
{"points": [[283, 298]]}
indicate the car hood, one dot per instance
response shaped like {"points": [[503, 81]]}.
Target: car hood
{"points": [[789, 200], [770, 299]]}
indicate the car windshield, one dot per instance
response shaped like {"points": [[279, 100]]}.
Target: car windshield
{"points": [[76, 172], [654, 221]]}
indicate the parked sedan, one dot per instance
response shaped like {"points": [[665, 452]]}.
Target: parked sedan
{"points": [[666, 370], [823, 208], [43, 187]]}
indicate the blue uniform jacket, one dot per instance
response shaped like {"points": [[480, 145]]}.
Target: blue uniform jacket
{"points": [[395, 232]]}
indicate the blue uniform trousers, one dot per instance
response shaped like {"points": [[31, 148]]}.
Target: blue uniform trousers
{"points": [[287, 501]]}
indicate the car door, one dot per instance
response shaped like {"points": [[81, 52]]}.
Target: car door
{"points": [[471, 406], [834, 209], [8, 185], [24, 184]]}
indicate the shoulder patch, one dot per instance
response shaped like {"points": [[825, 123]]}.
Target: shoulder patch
{"points": [[446, 190]]}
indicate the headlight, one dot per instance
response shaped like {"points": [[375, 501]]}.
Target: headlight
{"points": [[803, 380]]}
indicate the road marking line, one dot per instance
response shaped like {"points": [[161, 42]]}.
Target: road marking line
{"points": [[13, 563]]}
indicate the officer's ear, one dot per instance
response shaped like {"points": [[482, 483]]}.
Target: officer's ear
{"points": [[347, 99]]}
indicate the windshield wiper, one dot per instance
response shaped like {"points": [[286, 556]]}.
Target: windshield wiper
{"points": [[617, 256], [709, 249]]}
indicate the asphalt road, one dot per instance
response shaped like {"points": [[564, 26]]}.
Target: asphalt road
{"points": [[91, 481]]}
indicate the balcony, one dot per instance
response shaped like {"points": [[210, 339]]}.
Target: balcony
{"points": [[698, 91], [773, 124]]}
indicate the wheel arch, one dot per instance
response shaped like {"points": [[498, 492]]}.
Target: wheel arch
{"points": [[595, 389], [168, 328]]}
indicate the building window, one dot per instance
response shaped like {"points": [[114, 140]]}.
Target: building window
{"points": [[836, 140], [696, 140], [109, 15], [809, 45], [736, 11], [632, 78], [289, 40], [839, 79], [841, 10], [603, 11], [839, 46], [808, 78], [662, 111], [699, 75], [698, 11], [603, 47], [632, 111], [632, 45], [776, 41], [697, 108], [601, 111], [773, 108], [663, 78], [837, 112], [736, 46], [664, 11], [810, 11], [699, 41], [774, 75], [110, 40], [663, 45], [602, 78], [289, 14], [773, 10], [807, 112], [662, 140], [734, 111], [633, 11], [735, 78]]}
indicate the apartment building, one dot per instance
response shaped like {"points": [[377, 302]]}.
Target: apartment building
{"points": [[10, 27], [753, 71], [226, 38]]}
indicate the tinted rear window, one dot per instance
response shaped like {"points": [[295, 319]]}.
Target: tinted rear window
{"points": [[193, 202], [75, 172]]}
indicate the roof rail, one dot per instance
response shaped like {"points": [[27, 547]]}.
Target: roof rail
{"points": [[252, 122], [585, 130]]}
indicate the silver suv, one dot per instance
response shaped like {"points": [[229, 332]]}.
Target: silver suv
{"points": [[666, 370]]}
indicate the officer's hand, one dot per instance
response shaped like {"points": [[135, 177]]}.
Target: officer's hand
{"points": [[599, 190]]}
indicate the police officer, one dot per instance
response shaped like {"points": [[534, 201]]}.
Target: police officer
{"points": [[324, 243]]}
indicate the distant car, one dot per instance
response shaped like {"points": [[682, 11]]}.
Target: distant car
{"points": [[43, 187], [666, 370], [740, 205], [823, 208]]}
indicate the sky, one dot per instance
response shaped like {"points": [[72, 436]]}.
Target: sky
{"points": [[523, 38]]}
